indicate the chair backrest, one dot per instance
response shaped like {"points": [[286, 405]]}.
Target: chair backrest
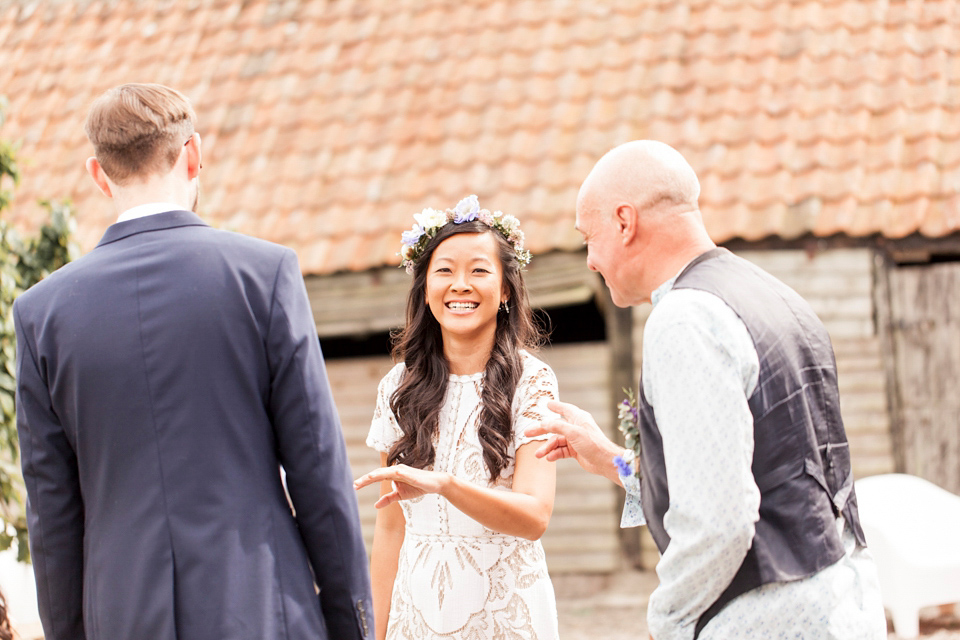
{"points": [[918, 519]]}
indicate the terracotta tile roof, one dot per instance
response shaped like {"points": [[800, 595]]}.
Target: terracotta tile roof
{"points": [[326, 124]]}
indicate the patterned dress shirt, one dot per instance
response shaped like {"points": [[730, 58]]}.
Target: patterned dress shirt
{"points": [[699, 368]]}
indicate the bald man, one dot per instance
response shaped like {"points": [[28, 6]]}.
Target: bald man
{"points": [[746, 481]]}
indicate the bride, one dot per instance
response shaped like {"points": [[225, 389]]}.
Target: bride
{"points": [[463, 499]]}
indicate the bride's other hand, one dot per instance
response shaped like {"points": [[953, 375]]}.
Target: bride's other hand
{"points": [[408, 483]]}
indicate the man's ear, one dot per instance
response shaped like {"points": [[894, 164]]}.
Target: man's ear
{"points": [[627, 220], [99, 177], [194, 159]]}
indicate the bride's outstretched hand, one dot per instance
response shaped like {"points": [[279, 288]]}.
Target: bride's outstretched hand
{"points": [[408, 482]]}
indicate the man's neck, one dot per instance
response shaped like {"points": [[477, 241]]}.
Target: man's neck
{"points": [[674, 248], [686, 255], [148, 209], [156, 189]]}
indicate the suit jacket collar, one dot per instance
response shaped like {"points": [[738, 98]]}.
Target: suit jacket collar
{"points": [[155, 222]]}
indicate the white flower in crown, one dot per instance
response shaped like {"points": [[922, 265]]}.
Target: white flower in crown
{"points": [[430, 219], [510, 222]]}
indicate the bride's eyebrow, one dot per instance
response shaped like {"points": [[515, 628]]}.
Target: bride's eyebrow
{"points": [[477, 258]]}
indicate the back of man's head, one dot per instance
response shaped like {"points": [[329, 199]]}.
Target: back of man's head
{"points": [[649, 174], [138, 130]]}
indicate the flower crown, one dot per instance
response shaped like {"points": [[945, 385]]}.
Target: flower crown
{"points": [[429, 221]]}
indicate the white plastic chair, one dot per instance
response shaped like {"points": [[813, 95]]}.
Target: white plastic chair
{"points": [[913, 530]]}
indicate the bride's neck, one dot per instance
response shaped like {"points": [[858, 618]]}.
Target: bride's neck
{"points": [[467, 356]]}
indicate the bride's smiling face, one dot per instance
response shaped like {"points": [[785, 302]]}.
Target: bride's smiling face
{"points": [[465, 285]]}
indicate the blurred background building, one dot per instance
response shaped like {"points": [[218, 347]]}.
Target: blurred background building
{"points": [[826, 135]]}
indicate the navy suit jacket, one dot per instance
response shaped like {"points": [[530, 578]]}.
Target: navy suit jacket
{"points": [[162, 381]]}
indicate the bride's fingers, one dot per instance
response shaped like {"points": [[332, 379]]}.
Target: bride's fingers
{"points": [[364, 481], [387, 499], [377, 475]]}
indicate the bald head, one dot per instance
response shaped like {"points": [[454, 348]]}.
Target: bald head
{"points": [[650, 175]]}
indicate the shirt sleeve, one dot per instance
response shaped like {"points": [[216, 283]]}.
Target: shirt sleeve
{"points": [[699, 367], [384, 429], [632, 515], [536, 388]]}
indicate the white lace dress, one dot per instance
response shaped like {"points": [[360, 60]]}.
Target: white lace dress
{"points": [[457, 579]]}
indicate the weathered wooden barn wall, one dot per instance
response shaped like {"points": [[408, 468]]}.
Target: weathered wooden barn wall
{"points": [[582, 536], [924, 321]]}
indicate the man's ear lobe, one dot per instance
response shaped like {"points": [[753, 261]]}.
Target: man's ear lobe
{"points": [[99, 177]]}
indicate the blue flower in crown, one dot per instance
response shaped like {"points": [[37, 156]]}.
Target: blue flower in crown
{"points": [[467, 210], [410, 238]]}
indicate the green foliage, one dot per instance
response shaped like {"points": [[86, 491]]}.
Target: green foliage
{"points": [[9, 171], [23, 263]]}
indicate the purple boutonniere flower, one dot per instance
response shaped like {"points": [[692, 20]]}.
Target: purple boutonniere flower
{"points": [[629, 416], [624, 468]]}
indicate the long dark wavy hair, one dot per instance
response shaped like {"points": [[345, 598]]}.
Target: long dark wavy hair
{"points": [[6, 632], [416, 402]]}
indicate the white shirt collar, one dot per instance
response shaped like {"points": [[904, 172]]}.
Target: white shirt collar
{"points": [[148, 210], [666, 287]]}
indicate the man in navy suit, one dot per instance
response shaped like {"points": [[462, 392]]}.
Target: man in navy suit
{"points": [[163, 379]]}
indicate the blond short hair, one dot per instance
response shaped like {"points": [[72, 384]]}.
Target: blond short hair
{"points": [[139, 129]]}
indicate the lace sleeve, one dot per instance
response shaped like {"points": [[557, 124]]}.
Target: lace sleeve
{"points": [[537, 387], [384, 430]]}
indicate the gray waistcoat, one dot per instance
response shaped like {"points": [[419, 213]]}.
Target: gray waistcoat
{"points": [[801, 460]]}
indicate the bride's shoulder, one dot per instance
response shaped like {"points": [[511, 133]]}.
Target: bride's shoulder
{"points": [[392, 380], [533, 366]]}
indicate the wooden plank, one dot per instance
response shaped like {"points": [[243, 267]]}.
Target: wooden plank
{"points": [[867, 381], [857, 348], [925, 325]]}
